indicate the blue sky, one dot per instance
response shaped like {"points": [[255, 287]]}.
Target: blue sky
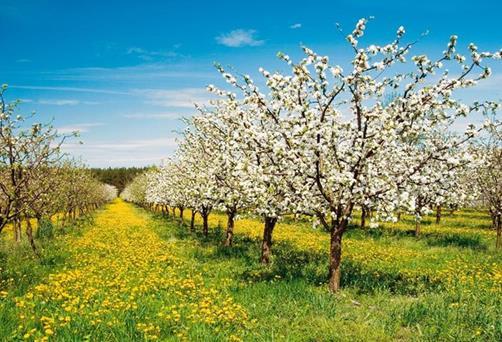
{"points": [[124, 72]]}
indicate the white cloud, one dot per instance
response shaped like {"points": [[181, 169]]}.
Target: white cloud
{"points": [[184, 98], [72, 89], [83, 127], [123, 145], [148, 55], [122, 152], [147, 72], [239, 38], [59, 102], [295, 26], [159, 116]]}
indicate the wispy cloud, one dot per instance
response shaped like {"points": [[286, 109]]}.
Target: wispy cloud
{"points": [[143, 72], [71, 89], [65, 102], [83, 127], [239, 38], [123, 153], [184, 98], [149, 55], [23, 60], [295, 26], [155, 116], [123, 145], [59, 102]]}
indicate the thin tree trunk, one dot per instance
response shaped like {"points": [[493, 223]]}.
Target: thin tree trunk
{"points": [[2, 223], [398, 216], [438, 214], [363, 217], [17, 230], [417, 228], [174, 212], [498, 221], [181, 215], [494, 219], [335, 256], [205, 226], [230, 227], [29, 234], [192, 220], [266, 245]]}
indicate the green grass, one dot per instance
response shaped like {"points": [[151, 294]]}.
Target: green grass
{"points": [[290, 299], [443, 286]]}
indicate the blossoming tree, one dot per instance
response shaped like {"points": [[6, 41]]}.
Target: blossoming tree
{"points": [[331, 128]]}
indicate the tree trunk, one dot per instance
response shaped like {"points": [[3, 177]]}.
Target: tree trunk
{"points": [[205, 226], [498, 221], [417, 228], [2, 223], [266, 245], [192, 220], [363, 217], [29, 234], [174, 212], [438, 214], [230, 227], [398, 216], [494, 219], [335, 256], [181, 215], [17, 230]]}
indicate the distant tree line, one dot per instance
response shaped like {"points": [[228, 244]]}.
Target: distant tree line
{"points": [[118, 177]]}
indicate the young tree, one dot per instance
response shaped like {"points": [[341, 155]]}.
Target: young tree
{"points": [[486, 176], [224, 155], [25, 152]]}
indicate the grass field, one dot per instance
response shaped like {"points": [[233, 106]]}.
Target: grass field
{"points": [[133, 275]]}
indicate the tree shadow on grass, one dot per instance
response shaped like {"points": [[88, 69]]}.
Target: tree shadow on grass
{"points": [[436, 239], [289, 263]]}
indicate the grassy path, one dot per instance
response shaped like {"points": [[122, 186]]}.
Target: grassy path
{"points": [[122, 282], [132, 275]]}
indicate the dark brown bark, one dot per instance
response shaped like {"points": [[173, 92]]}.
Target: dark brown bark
{"points": [[363, 217], [230, 227], [205, 226], [192, 220], [335, 256], [29, 234], [181, 215], [438, 214], [399, 216], [498, 222], [17, 230], [266, 245], [204, 213]]}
